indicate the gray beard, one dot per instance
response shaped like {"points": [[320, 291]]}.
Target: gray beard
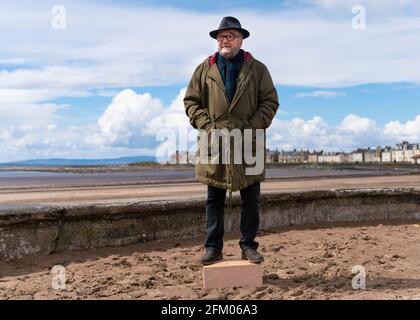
{"points": [[230, 57]]}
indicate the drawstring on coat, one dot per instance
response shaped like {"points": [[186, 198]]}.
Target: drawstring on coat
{"points": [[229, 171]]}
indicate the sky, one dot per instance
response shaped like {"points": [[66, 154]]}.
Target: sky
{"points": [[101, 79]]}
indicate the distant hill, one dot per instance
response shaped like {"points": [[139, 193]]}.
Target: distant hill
{"points": [[80, 162]]}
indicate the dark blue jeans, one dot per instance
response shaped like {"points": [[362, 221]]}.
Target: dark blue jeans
{"points": [[250, 197]]}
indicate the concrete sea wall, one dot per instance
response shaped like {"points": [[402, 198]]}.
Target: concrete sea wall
{"points": [[49, 229]]}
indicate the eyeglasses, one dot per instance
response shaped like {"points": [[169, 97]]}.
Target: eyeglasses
{"points": [[229, 37]]}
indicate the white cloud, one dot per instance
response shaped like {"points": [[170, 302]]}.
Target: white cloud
{"points": [[60, 142], [357, 125], [140, 46], [126, 116], [131, 123], [404, 131], [139, 120], [16, 61], [28, 96], [28, 115], [377, 5], [353, 132], [173, 118], [320, 94]]}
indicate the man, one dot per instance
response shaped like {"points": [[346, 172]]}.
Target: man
{"points": [[231, 90]]}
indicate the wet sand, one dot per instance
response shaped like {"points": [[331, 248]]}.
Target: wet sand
{"points": [[141, 193], [85, 177], [300, 264]]}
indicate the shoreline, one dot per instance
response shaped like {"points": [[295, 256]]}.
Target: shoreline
{"points": [[393, 167]]}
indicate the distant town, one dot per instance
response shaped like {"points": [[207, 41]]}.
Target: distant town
{"points": [[403, 152]]}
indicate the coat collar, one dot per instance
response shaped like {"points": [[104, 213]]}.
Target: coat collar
{"points": [[243, 77], [213, 57]]}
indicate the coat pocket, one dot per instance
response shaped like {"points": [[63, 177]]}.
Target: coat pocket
{"points": [[204, 142]]}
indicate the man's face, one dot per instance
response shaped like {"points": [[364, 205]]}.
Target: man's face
{"points": [[229, 42]]}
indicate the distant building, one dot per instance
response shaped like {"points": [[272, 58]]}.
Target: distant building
{"points": [[357, 156], [332, 157], [272, 156], [372, 155], [386, 154], [293, 156], [182, 157], [416, 159], [313, 156], [403, 152]]}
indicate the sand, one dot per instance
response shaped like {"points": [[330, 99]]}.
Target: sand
{"points": [[301, 263], [165, 191]]}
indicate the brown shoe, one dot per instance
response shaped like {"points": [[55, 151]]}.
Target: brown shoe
{"points": [[252, 255], [211, 256]]}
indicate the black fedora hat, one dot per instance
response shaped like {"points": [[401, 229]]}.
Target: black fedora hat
{"points": [[229, 23]]}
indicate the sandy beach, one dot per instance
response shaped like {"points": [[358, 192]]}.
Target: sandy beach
{"points": [[300, 263]]}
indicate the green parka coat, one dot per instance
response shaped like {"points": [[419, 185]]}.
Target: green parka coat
{"points": [[253, 107]]}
